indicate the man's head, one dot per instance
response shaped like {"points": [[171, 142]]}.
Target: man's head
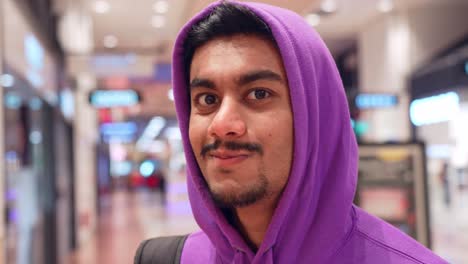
{"points": [[241, 123], [229, 112]]}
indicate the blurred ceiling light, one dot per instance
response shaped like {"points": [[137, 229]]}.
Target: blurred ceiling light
{"points": [[75, 32], [385, 6], [35, 103], [7, 80], [147, 168], [329, 6], [35, 137], [110, 41], [158, 21], [161, 6], [101, 7], [313, 19], [12, 100]]}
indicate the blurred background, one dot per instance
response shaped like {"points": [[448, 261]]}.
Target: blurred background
{"points": [[90, 151]]}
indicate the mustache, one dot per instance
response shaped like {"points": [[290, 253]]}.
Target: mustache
{"points": [[231, 145]]}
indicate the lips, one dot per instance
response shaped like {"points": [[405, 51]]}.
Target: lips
{"points": [[228, 158]]}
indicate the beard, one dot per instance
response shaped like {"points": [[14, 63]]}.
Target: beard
{"points": [[243, 197], [238, 197]]}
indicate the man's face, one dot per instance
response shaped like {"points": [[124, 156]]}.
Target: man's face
{"points": [[241, 123]]}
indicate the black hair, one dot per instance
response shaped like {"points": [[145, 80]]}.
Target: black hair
{"points": [[226, 19]]}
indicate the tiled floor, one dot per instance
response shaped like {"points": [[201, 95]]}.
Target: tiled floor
{"points": [[128, 218]]}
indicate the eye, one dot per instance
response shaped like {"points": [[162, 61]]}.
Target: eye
{"points": [[206, 99], [258, 94]]}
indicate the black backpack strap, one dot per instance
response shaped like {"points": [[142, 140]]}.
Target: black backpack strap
{"points": [[160, 250]]}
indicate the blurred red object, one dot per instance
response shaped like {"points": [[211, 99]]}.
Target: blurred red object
{"points": [[105, 115], [136, 180], [152, 181]]}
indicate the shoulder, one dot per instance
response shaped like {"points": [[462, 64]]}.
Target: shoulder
{"points": [[375, 241], [198, 249]]}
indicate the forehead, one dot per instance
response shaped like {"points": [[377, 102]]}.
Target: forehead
{"points": [[234, 55]]}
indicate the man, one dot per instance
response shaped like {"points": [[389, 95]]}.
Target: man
{"points": [[271, 156]]}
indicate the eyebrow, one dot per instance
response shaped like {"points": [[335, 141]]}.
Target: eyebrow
{"points": [[242, 80], [199, 83], [259, 75]]}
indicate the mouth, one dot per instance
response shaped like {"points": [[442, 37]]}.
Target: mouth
{"points": [[228, 158]]}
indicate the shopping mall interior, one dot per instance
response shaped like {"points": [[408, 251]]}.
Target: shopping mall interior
{"points": [[92, 160]]}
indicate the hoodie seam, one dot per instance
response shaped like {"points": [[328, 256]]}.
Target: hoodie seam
{"points": [[383, 245], [348, 236]]}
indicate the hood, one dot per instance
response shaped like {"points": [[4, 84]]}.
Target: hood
{"points": [[314, 214]]}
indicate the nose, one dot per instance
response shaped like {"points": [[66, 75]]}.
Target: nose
{"points": [[228, 122]]}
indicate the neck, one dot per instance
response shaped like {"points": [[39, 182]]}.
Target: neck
{"points": [[252, 221]]}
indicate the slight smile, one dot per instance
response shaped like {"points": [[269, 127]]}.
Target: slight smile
{"points": [[228, 158]]}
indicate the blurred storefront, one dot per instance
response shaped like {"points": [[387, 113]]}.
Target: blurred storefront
{"points": [[439, 111], [392, 66], [37, 139], [393, 47], [439, 116]]}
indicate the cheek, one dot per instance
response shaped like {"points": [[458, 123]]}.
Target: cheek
{"points": [[280, 130], [279, 143], [196, 135]]}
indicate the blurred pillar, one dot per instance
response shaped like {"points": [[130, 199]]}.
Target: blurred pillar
{"points": [[391, 47], [85, 169], [2, 149]]}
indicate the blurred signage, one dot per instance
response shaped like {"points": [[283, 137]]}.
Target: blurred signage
{"points": [[114, 61], [360, 127], [118, 129], [122, 65], [466, 68], [394, 199], [392, 185], [123, 132], [370, 101], [113, 98], [434, 109]]}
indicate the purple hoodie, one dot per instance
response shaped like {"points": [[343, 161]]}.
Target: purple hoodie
{"points": [[315, 220]]}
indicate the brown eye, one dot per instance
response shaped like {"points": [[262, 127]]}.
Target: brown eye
{"points": [[207, 99], [258, 94]]}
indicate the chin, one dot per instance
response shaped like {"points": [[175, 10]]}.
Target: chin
{"points": [[229, 193], [227, 186]]}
